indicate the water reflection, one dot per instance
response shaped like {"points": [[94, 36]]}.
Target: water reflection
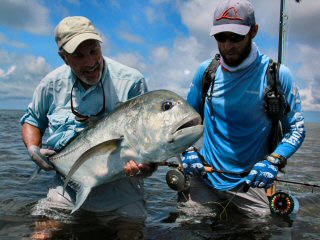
{"points": [[88, 227]]}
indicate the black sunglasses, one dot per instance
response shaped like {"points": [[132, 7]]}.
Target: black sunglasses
{"points": [[232, 37], [79, 116]]}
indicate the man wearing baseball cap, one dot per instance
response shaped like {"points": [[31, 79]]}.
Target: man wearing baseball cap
{"points": [[87, 85], [237, 126]]}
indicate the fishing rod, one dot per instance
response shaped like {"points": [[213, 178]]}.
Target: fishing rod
{"points": [[209, 169], [298, 183], [282, 19], [281, 23], [242, 174]]}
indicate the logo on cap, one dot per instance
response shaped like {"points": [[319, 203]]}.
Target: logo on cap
{"points": [[231, 14]]}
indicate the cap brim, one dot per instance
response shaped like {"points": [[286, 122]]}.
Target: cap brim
{"points": [[73, 43], [235, 28]]}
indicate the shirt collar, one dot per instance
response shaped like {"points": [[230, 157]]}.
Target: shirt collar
{"points": [[247, 62]]}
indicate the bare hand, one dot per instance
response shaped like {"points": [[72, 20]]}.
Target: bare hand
{"points": [[40, 157], [132, 168]]}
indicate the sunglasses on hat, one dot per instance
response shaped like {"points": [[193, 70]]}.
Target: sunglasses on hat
{"points": [[232, 37]]}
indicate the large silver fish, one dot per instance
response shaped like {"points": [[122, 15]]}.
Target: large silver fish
{"points": [[150, 128]]}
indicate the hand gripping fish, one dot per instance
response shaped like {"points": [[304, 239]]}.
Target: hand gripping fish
{"points": [[149, 128]]}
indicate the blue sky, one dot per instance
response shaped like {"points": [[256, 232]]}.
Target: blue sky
{"points": [[165, 39]]}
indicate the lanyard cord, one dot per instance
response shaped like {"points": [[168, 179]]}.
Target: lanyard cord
{"points": [[81, 117]]}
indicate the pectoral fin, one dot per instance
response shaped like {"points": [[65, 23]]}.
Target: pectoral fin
{"points": [[104, 148]]}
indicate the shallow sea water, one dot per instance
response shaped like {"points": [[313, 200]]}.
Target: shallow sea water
{"points": [[166, 218]]}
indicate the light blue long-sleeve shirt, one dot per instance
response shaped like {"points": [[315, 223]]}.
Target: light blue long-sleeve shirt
{"points": [[236, 125], [50, 106]]}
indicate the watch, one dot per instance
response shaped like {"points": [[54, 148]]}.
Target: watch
{"points": [[277, 160]]}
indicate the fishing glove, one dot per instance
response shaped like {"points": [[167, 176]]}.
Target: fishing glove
{"points": [[262, 175], [40, 157], [192, 164]]}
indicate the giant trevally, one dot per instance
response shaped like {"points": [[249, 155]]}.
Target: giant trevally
{"points": [[149, 128]]}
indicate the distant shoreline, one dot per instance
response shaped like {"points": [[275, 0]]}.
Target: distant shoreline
{"points": [[310, 117]]}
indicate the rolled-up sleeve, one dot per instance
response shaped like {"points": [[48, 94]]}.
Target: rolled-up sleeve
{"points": [[36, 113]]}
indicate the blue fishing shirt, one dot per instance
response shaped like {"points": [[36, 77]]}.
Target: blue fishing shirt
{"points": [[237, 128], [50, 106]]}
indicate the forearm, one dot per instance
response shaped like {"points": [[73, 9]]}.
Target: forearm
{"points": [[294, 137], [31, 135]]}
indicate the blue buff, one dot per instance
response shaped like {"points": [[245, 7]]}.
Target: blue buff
{"points": [[262, 175]]}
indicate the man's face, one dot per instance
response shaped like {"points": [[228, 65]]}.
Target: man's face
{"points": [[235, 48], [86, 62]]}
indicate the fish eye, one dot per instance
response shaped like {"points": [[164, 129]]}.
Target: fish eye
{"points": [[167, 105]]}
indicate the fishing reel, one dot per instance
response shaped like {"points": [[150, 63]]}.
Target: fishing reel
{"points": [[283, 204], [177, 181]]}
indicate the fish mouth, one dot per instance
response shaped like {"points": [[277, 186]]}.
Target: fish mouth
{"points": [[188, 122], [187, 126]]}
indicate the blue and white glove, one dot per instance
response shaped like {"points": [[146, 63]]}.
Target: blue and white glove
{"points": [[262, 175], [192, 164]]}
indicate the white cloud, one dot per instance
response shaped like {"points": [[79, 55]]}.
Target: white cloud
{"points": [[306, 63], [34, 65], [130, 37], [303, 21], [197, 15], [174, 68], [133, 60], [30, 16], [307, 59], [11, 70], [309, 103], [106, 46], [160, 54], [4, 40], [22, 75], [5, 74], [2, 73]]}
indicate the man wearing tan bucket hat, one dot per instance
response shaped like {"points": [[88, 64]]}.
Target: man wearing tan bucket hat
{"points": [[87, 85]]}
